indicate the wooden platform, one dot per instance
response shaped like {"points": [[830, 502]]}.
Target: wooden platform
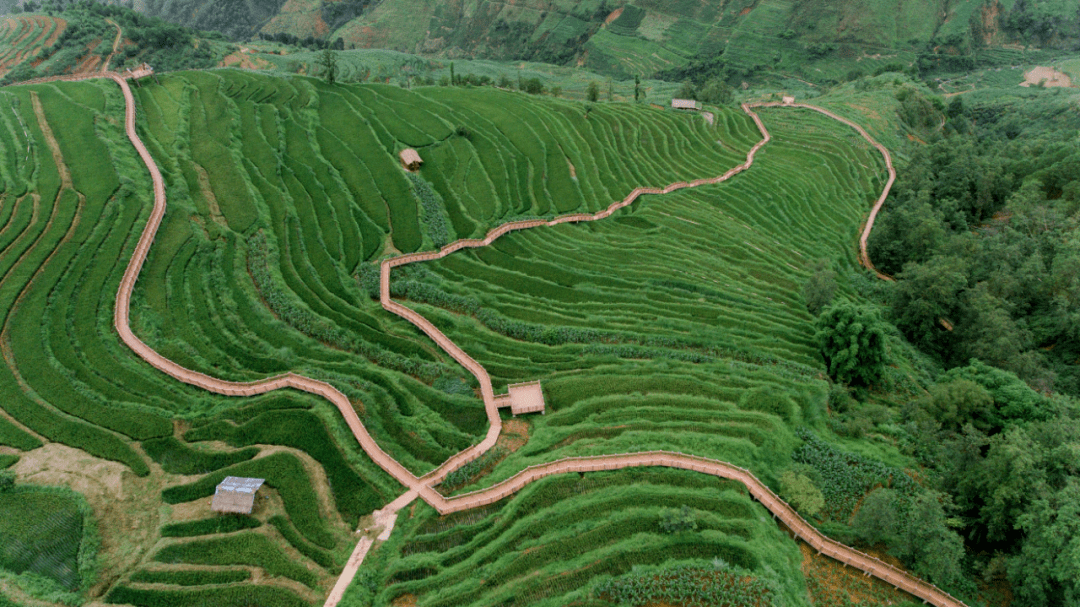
{"points": [[522, 398]]}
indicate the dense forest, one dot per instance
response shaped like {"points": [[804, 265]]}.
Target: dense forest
{"points": [[981, 233]]}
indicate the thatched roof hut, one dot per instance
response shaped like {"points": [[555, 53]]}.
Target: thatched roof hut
{"points": [[236, 494], [410, 159]]}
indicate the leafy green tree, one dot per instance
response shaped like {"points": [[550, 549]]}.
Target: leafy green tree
{"points": [[851, 338], [799, 490], [926, 294], [687, 90], [878, 520], [716, 92], [593, 91], [818, 292], [960, 402], [7, 481], [328, 65], [933, 550], [637, 87], [1047, 569]]}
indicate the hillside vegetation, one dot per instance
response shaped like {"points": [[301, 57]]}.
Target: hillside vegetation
{"points": [[816, 40], [82, 37]]}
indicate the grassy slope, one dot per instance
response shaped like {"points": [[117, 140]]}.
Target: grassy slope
{"points": [[652, 34], [281, 190], [67, 377]]}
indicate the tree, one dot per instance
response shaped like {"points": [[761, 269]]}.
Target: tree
{"points": [[687, 90], [593, 91], [453, 79], [328, 63], [818, 292], [926, 543], [800, 492], [960, 402], [637, 87], [610, 90], [1047, 569], [877, 520], [716, 92], [851, 338], [925, 294]]}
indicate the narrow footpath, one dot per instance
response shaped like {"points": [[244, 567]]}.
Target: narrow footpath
{"points": [[423, 487]]}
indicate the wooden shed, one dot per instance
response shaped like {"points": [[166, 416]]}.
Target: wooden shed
{"points": [[410, 159], [236, 494], [685, 104]]}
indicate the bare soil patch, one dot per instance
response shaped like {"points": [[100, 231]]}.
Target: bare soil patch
{"points": [[615, 14], [1049, 77], [125, 506], [830, 583]]}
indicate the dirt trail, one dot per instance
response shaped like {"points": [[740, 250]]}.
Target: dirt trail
{"points": [[115, 46], [423, 486]]}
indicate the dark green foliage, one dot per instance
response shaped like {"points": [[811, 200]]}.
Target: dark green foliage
{"points": [[190, 578], [843, 477], [852, 340], [12, 436], [283, 472], [244, 549], [7, 479], [432, 208], [229, 596], [41, 532], [303, 430], [818, 292], [8, 460], [690, 585], [210, 526], [177, 458]]}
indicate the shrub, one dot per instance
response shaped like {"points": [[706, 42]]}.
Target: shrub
{"points": [[852, 341]]}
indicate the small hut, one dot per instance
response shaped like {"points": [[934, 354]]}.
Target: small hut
{"points": [[236, 494], [410, 159], [685, 104]]}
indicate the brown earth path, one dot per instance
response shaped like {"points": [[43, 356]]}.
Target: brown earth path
{"points": [[115, 45], [423, 486]]}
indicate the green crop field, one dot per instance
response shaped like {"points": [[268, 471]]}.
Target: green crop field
{"points": [[676, 324], [42, 533], [560, 539]]}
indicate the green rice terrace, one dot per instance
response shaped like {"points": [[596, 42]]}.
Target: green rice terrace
{"points": [[678, 324]]}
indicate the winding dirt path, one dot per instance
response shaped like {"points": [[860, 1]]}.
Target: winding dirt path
{"points": [[423, 486], [115, 46]]}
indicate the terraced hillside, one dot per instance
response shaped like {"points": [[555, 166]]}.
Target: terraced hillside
{"points": [[68, 220], [316, 197], [815, 39], [265, 264], [24, 37]]}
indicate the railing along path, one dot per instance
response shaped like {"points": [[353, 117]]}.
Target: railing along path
{"points": [[424, 486]]}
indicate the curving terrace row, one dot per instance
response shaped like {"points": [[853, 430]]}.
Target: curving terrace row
{"points": [[423, 486]]}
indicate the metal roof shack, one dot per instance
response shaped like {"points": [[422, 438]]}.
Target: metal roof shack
{"points": [[685, 104], [236, 494], [522, 398], [410, 159]]}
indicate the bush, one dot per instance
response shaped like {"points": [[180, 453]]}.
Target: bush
{"points": [[852, 341]]}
